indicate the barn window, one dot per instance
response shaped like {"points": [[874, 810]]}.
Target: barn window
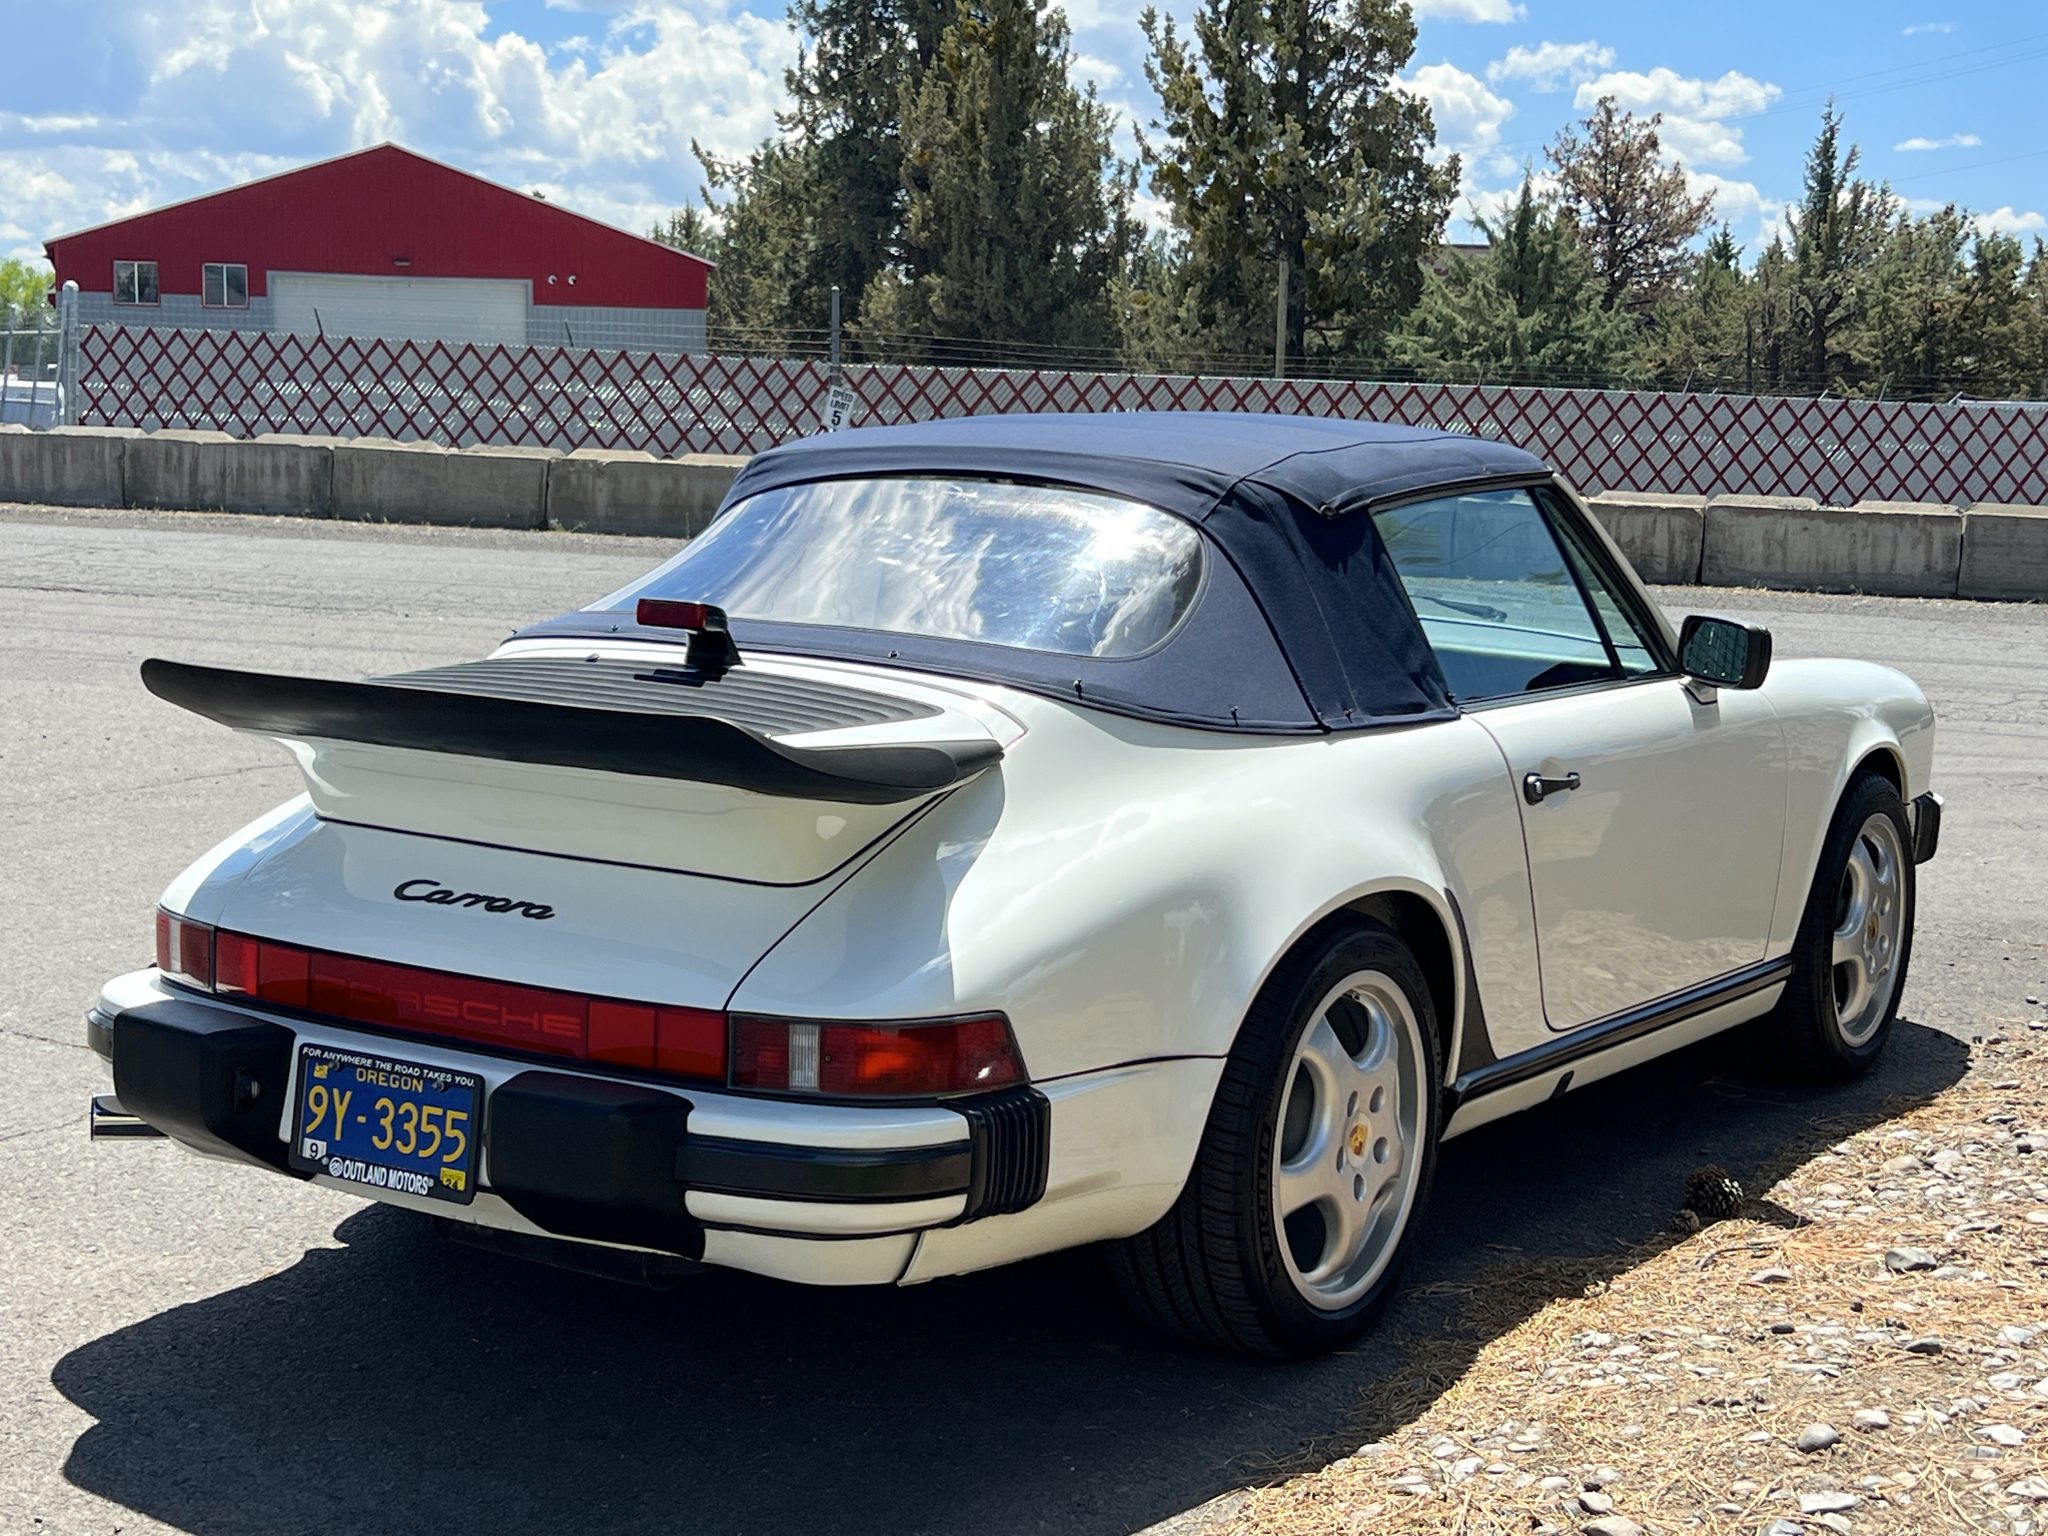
{"points": [[135, 282], [224, 285]]}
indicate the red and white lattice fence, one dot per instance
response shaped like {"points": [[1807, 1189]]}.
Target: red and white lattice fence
{"points": [[249, 382]]}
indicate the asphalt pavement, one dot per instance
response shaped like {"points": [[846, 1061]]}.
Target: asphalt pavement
{"points": [[194, 1346]]}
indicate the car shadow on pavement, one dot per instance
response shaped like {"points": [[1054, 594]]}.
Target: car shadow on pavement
{"points": [[404, 1384]]}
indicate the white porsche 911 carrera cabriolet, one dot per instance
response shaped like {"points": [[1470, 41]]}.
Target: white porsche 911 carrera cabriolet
{"points": [[1004, 834]]}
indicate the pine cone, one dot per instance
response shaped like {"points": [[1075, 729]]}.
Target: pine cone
{"points": [[1713, 1194]]}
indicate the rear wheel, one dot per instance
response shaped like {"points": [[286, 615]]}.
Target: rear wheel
{"points": [[1849, 962], [1295, 1222]]}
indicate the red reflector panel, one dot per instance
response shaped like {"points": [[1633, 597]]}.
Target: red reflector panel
{"points": [[465, 1007], [690, 1042], [622, 1033], [875, 1060], [684, 1042]]}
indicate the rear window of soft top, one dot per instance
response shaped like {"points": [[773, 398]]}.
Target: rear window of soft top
{"points": [[1039, 568]]}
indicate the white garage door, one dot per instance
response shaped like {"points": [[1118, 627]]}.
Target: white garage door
{"points": [[424, 308]]}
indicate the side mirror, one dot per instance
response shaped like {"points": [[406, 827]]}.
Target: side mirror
{"points": [[1724, 652]]}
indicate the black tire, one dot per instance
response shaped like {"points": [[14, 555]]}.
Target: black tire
{"points": [[1212, 1269], [1806, 1025]]}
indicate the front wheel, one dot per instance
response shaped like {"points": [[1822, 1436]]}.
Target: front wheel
{"points": [[1297, 1217], [1855, 937]]}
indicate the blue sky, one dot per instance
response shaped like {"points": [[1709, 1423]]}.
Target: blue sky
{"points": [[107, 108]]}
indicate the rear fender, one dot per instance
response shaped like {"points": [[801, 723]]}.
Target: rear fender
{"points": [[1838, 716], [1123, 890]]}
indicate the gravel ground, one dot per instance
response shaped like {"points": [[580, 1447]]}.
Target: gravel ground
{"points": [[191, 1347], [1859, 1347]]}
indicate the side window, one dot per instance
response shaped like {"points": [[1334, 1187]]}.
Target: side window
{"points": [[1497, 601], [1632, 647]]}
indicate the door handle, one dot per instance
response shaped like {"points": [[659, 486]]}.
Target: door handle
{"points": [[1535, 786]]}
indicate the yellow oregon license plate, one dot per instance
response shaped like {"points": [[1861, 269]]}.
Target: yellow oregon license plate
{"points": [[387, 1124]]}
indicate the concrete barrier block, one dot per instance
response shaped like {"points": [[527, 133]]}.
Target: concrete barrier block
{"points": [[184, 470], [603, 490], [376, 480], [65, 467], [281, 474], [2005, 552], [1661, 535], [1899, 549]]}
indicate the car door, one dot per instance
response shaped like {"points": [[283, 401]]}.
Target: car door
{"points": [[1653, 811]]}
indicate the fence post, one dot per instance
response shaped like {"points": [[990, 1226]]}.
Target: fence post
{"points": [[67, 355], [835, 335], [1280, 325]]}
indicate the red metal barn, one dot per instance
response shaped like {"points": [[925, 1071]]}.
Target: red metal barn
{"points": [[385, 242]]}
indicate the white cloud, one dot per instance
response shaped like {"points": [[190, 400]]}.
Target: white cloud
{"points": [[1695, 129], [1468, 10], [1468, 116], [1548, 65], [2008, 221], [607, 123], [1088, 66], [1952, 141], [1927, 26], [1752, 217]]}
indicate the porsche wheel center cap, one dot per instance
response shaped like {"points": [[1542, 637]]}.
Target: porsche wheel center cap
{"points": [[1357, 1141]]}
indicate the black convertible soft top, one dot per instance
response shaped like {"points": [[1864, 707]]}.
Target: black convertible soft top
{"points": [[1302, 624]]}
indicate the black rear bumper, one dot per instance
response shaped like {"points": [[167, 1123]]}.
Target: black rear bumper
{"points": [[580, 1157]]}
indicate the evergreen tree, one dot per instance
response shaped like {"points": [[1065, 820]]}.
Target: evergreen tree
{"points": [[1528, 310], [847, 90], [1695, 334], [1634, 214], [1287, 139], [1908, 304], [770, 278], [689, 229], [1016, 218], [1838, 228]]}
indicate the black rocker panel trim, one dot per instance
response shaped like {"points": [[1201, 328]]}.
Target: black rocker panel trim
{"points": [[770, 703], [1619, 1029], [700, 748]]}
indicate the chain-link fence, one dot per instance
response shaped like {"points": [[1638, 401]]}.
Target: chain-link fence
{"points": [[31, 349], [462, 393]]}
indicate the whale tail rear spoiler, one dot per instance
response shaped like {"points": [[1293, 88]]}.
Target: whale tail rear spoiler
{"points": [[609, 717]]}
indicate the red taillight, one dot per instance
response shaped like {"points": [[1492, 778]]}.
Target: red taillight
{"points": [[184, 949], [875, 1060]]}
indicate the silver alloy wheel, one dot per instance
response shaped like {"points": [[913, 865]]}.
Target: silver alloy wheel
{"points": [[1870, 920], [1350, 1140]]}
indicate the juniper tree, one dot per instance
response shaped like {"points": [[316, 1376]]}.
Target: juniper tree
{"points": [[1016, 216], [1284, 136]]}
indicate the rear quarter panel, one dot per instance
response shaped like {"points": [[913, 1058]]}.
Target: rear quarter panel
{"points": [[1122, 889], [1838, 716]]}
